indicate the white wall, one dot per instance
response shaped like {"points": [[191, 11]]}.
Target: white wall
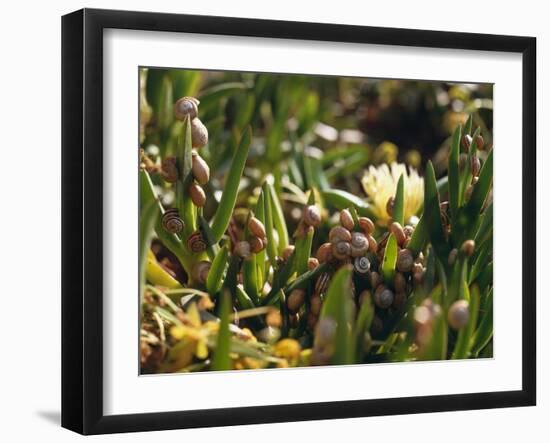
{"points": [[30, 243]]}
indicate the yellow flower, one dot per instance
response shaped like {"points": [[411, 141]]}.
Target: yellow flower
{"points": [[380, 183], [196, 332]]}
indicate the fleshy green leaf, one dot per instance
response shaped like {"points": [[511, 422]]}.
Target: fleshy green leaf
{"points": [[221, 360], [215, 274], [390, 259], [399, 202]]}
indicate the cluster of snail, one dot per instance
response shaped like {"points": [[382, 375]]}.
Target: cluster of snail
{"points": [[256, 241], [475, 164], [187, 108]]}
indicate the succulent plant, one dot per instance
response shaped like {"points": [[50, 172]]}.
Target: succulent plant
{"points": [[295, 271]]}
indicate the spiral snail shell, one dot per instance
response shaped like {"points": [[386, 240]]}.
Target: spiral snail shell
{"points": [[341, 250], [389, 206], [200, 271], [361, 265], [199, 133], [256, 227], [171, 221], [383, 297], [324, 253], [339, 234], [397, 230], [367, 225], [186, 107], [405, 260], [196, 242], [359, 244], [256, 244], [312, 215]]}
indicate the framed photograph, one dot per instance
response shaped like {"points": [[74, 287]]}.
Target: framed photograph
{"points": [[269, 221]]}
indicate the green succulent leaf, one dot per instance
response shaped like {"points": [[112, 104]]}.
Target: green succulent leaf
{"points": [[214, 280], [399, 202], [221, 360]]}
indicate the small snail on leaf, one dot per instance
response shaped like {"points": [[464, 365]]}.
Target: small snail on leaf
{"points": [[171, 221]]}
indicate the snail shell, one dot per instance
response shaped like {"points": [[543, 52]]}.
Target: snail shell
{"points": [[171, 221], [186, 107], [312, 215], [197, 195], [383, 297], [367, 225], [256, 244], [256, 227], [359, 244], [243, 249], [339, 234], [468, 247], [312, 263], [458, 314], [373, 245], [397, 230], [466, 142], [200, 271], [324, 253], [374, 279], [199, 133], [346, 220], [169, 170], [201, 171], [475, 165], [287, 252], [196, 242], [389, 206], [341, 250], [296, 300], [480, 143], [361, 265], [405, 260], [399, 282]]}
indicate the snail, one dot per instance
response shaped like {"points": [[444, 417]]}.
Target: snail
{"points": [[315, 304], [341, 250], [169, 170], [399, 282], [373, 245], [397, 230], [339, 234], [243, 249], [296, 300], [312, 215], [200, 169], [458, 314], [196, 242], [466, 141], [475, 165], [367, 225], [468, 248], [200, 271], [256, 227], [374, 279], [256, 244], [405, 260], [197, 195], [452, 256], [359, 244], [324, 253], [199, 133], [346, 220], [186, 107], [361, 265], [383, 297], [171, 221], [408, 230], [480, 143], [312, 263], [287, 252]]}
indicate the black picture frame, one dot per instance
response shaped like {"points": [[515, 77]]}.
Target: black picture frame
{"points": [[82, 219]]}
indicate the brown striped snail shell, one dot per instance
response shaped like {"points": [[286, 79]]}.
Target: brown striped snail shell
{"points": [[256, 244], [324, 253], [466, 142], [373, 245], [361, 265], [169, 170], [186, 107], [341, 250], [397, 230], [389, 206], [196, 242], [171, 221], [199, 133], [201, 170]]}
